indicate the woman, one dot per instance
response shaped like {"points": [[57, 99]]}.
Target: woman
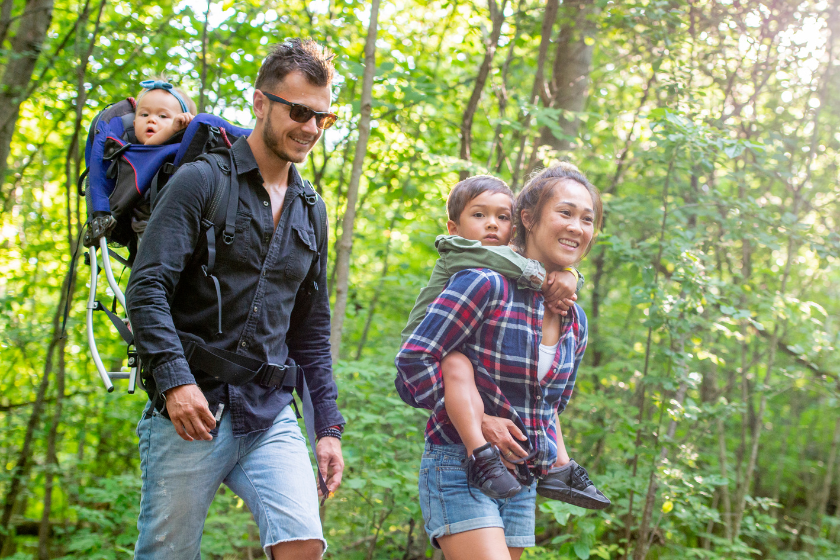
{"points": [[500, 328]]}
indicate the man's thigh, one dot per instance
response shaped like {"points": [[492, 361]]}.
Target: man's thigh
{"points": [[276, 480], [180, 479]]}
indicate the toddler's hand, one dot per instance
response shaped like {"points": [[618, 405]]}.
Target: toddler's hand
{"points": [[559, 291], [181, 121], [561, 306]]}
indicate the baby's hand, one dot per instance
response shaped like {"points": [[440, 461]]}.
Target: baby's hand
{"points": [[181, 121]]}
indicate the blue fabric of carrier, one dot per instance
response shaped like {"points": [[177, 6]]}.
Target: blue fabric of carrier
{"points": [[139, 163], [131, 170]]}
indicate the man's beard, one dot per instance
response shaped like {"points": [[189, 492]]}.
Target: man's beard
{"points": [[273, 144]]}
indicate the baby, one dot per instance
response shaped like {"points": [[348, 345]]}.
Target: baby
{"points": [[162, 110]]}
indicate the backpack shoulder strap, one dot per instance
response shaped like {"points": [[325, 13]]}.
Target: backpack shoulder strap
{"points": [[318, 217], [218, 216], [318, 212], [215, 213]]}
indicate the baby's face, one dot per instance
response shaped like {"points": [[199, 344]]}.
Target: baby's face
{"points": [[486, 218], [155, 112]]}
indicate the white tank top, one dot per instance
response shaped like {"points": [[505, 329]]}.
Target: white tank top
{"points": [[547, 354]]}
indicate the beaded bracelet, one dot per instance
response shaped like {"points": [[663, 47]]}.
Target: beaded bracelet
{"points": [[330, 432]]}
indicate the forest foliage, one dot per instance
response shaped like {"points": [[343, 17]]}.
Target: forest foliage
{"points": [[707, 405]]}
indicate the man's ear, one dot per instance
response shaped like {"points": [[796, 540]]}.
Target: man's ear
{"points": [[452, 227], [259, 105]]}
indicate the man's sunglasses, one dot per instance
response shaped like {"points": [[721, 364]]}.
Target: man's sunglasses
{"points": [[301, 113]]}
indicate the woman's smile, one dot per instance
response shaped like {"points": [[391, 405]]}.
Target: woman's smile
{"points": [[563, 232]]}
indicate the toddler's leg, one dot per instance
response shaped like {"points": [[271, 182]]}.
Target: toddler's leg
{"points": [[562, 454], [462, 401]]}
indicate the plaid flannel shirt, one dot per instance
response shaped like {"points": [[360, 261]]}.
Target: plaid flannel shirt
{"points": [[498, 326]]}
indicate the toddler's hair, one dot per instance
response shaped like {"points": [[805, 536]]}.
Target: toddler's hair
{"points": [[301, 55], [472, 187], [539, 190], [187, 99]]}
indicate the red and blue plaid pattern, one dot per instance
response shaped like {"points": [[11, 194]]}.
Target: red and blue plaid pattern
{"points": [[498, 326]]}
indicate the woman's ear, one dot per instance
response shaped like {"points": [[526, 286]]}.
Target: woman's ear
{"points": [[527, 220]]}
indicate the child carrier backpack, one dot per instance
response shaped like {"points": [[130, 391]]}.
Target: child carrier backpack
{"points": [[121, 184]]}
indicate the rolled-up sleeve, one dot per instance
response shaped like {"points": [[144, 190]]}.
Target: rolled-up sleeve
{"points": [[155, 274], [450, 320]]}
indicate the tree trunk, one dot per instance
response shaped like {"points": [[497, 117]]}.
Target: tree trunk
{"points": [[724, 488], [345, 247], [52, 459], [26, 47], [5, 19], [502, 96], [551, 8], [746, 482], [822, 497], [640, 552], [204, 45], [628, 522], [384, 274], [24, 461], [570, 76], [497, 18]]}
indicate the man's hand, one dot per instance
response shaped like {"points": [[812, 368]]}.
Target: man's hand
{"points": [[501, 433], [189, 412], [330, 462], [559, 291]]}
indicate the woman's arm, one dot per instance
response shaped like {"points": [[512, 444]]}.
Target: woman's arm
{"points": [[451, 319]]}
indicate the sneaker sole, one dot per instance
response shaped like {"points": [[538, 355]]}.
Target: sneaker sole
{"points": [[510, 494], [572, 496]]}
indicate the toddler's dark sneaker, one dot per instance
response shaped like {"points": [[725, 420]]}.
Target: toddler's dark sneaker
{"points": [[486, 472], [570, 483]]}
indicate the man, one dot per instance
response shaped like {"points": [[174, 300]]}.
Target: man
{"points": [[197, 430]]}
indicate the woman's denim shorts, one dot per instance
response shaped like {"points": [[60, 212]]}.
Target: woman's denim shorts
{"points": [[450, 506]]}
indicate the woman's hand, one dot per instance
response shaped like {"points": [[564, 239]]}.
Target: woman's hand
{"points": [[504, 434]]}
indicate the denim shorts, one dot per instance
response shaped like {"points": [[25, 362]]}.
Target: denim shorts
{"points": [[269, 470], [450, 506]]}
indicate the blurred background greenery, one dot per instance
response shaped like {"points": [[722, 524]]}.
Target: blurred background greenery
{"points": [[707, 404]]}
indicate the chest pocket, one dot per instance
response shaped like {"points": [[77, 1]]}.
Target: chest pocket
{"points": [[301, 253], [242, 242]]}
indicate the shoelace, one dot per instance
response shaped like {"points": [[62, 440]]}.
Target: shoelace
{"points": [[496, 468], [582, 476]]}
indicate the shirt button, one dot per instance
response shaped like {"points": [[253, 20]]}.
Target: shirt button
{"points": [[256, 309], [265, 203], [244, 344], [538, 397]]}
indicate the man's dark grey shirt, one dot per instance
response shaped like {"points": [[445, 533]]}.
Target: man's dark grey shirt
{"points": [[266, 311]]}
